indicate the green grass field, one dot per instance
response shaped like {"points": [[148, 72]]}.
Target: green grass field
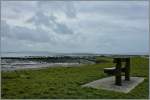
{"points": [[66, 82]]}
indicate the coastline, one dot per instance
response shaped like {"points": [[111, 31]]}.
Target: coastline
{"points": [[12, 67]]}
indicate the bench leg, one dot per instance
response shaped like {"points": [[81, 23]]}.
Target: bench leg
{"points": [[118, 73], [127, 70], [118, 80]]}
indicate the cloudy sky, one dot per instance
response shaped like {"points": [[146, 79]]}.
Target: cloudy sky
{"points": [[75, 26]]}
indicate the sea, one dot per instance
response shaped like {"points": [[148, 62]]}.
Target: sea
{"points": [[43, 54], [27, 54], [14, 64], [51, 54]]}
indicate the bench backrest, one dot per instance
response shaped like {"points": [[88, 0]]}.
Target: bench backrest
{"points": [[126, 60]]}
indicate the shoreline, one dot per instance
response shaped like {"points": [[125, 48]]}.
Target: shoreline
{"points": [[11, 63], [11, 67]]}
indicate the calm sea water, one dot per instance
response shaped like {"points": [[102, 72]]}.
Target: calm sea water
{"points": [[46, 54], [24, 54], [13, 64]]}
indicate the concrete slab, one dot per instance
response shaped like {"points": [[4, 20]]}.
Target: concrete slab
{"points": [[109, 84]]}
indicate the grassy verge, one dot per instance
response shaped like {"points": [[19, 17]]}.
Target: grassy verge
{"points": [[66, 82]]}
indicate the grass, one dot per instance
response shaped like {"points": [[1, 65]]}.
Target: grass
{"points": [[66, 82]]}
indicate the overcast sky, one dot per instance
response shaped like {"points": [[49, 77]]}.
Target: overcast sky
{"points": [[77, 26]]}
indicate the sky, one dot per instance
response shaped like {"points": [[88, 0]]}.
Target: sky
{"points": [[75, 26]]}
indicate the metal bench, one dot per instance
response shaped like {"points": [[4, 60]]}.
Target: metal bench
{"points": [[119, 69]]}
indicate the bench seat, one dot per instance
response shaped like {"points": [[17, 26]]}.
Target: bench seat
{"points": [[112, 70]]}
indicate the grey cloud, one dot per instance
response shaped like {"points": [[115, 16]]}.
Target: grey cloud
{"points": [[63, 29], [63, 6], [10, 9], [13, 44], [23, 5], [40, 19], [118, 10], [5, 29], [23, 33], [70, 10], [91, 27], [50, 22]]}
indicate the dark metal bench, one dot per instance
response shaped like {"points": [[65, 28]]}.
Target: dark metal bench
{"points": [[118, 70]]}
